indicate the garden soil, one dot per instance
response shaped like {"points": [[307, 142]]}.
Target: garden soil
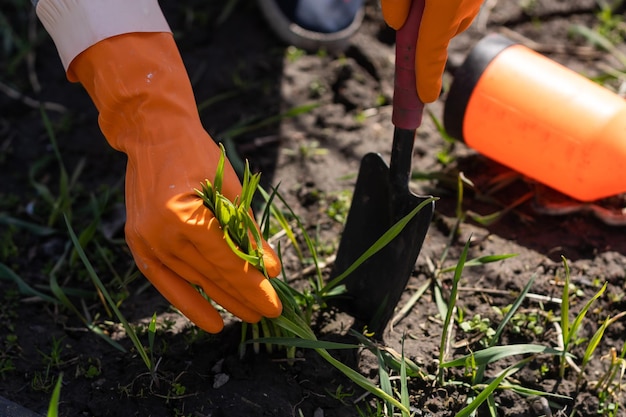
{"points": [[336, 109]]}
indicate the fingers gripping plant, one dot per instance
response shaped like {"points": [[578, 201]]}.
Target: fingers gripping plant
{"points": [[235, 217]]}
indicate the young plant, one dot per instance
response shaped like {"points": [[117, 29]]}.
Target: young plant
{"points": [[569, 330], [235, 217], [53, 406], [130, 331]]}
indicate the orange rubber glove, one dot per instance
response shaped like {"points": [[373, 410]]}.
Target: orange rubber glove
{"points": [[147, 110], [442, 20]]}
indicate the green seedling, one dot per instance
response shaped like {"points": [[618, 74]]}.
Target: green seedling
{"points": [[61, 203], [609, 386], [130, 331], [235, 218], [53, 406], [444, 156], [339, 205], [479, 325], [54, 357], [475, 363], [569, 330]]}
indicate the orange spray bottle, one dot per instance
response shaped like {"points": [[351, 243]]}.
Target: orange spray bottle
{"points": [[539, 118]]}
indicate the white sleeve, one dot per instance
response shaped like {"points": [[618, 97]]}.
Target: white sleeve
{"points": [[75, 25]]}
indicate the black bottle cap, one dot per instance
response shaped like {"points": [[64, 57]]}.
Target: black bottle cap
{"points": [[465, 79]]}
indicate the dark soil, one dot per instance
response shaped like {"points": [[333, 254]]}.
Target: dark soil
{"points": [[240, 60]]}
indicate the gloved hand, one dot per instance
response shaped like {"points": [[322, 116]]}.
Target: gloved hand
{"points": [[442, 20], [147, 110]]}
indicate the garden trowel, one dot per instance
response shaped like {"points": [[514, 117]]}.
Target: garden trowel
{"points": [[381, 199]]}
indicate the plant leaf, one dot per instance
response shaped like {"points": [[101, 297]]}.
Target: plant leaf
{"points": [[495, 353]]}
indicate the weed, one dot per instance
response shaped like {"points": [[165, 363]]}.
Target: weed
{"points": [[340, 394], [339, 205], [53, 359], [53, 406], [308, 149], [569, 329], [532, 323], [234, 217], [293, 54], [479, 327], [93, 369]]}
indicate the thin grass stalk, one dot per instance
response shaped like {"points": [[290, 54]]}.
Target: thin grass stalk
{"points": [[22, 286], [572, 330], [381, 242], [489, 389], [445, 334], [385, 382], [281, 219], [404, 385], [62, 297], [151, 335], [514, 307], [132, 335], [53, 406], [496, 353], [565, 327], [61, 204], [408, 306]]}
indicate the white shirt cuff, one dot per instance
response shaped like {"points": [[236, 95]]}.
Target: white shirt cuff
{"points": [[75, 25]]}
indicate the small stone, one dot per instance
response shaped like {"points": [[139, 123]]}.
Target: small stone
{"points": [[220, 380]]}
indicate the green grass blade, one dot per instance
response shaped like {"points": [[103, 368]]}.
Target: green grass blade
{"points": [[531, 392], [152, 332], [583, 312], [491, 406], [34, 228], [482, 260], [452, 303], [281, 219], [489, 389], [514, 307], [303, 331], [53, 406], [565, 306], [594, 342], [495, 353], [132, 335], [387, 237], [303, 343], [62, 297], [404, 386], [384, 381], [361, 381], [22, 286]]}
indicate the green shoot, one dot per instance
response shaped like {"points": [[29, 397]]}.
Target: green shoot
{"points": [[53, 406], [445, 334], [112, 304], [235, 217], [569, 331]]}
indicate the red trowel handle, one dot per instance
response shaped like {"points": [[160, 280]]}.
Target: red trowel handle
{"points": [[407, 107]]}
